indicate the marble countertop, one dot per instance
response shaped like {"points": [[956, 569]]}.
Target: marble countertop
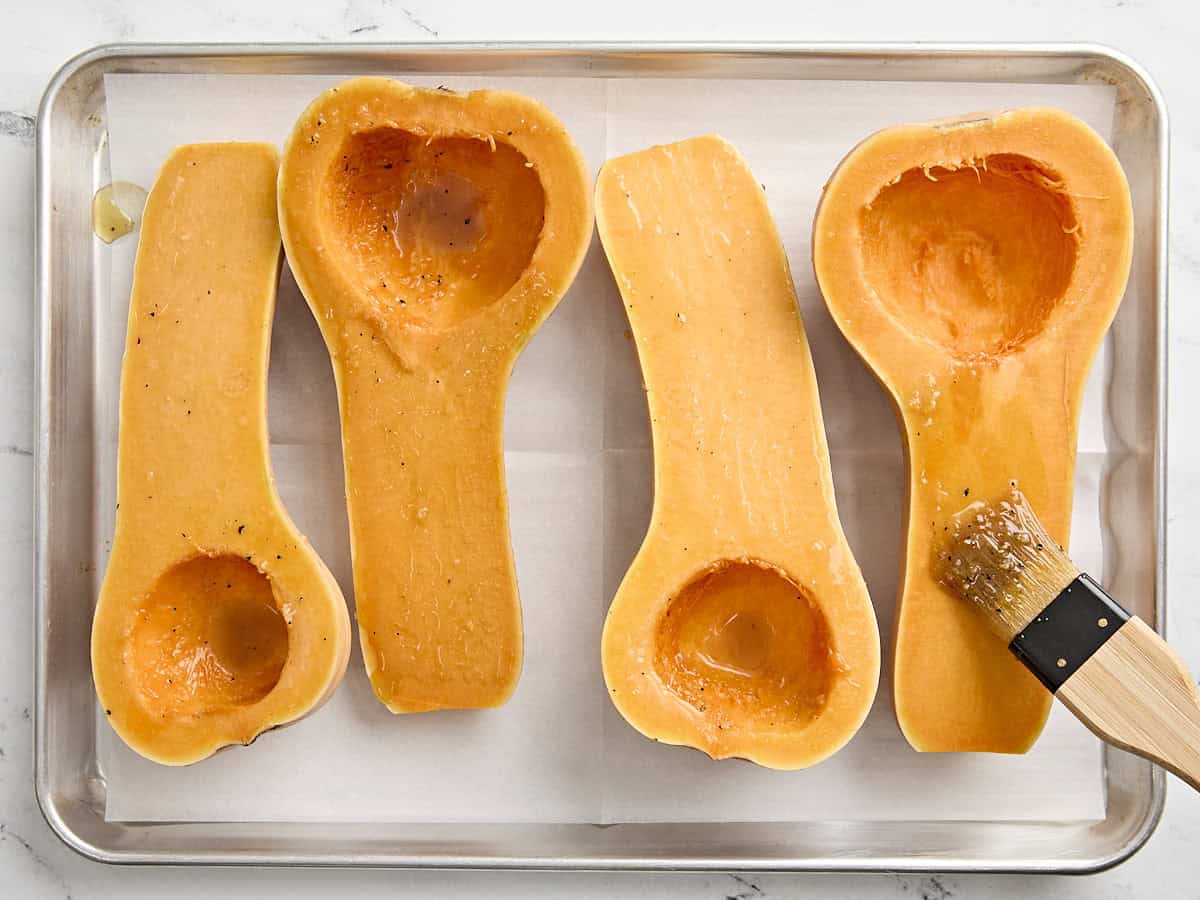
{"points": [[38, 38]]}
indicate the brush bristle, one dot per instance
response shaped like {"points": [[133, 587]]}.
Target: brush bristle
{"points": [[998, 557]]}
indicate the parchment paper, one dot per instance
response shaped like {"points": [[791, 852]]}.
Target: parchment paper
{"points": [[578, 464]]}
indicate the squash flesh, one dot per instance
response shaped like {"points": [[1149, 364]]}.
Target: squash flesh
{"points": [[743, 627], [983, 340], [431, 233], [216, 620]]}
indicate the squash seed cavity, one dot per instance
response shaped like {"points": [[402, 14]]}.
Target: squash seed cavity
{"points": [[209, 637], [431, 231], [973, 257], [744, 645]]}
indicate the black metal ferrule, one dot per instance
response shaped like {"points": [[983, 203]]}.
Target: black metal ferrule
{"points": [[1065, 634]]}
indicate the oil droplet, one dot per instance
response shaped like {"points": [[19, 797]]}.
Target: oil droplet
{"points": [[117, 209], [739, 645], [438, 213]]}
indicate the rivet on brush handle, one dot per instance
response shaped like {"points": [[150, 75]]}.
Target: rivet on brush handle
{"points": [[1137, 694]]}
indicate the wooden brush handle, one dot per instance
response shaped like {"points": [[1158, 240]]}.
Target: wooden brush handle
{"points": [[1137, 694]]}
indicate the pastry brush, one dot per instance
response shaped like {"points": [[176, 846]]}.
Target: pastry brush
{"points": [[1109, 668]]}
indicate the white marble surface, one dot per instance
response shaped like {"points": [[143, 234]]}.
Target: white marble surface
{"points": [[37, 37]]}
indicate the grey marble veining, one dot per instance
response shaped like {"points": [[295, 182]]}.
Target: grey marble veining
{"points": [[38, 37]]}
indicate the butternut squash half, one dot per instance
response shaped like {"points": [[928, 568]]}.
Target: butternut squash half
{"points": [[432, 232], [216, 620], [743, 627], [975, 265]]}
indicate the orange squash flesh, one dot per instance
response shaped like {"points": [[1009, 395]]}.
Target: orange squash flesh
{"points": [[432, 233], [216, 620], [743, 627], [975, 265]]}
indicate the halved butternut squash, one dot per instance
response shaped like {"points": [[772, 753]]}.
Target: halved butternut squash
{"points": [[975, 264], [216, 620], [743, 627], [432, 232]]}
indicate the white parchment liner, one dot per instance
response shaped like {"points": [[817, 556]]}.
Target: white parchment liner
{"points": [[579, 481]]}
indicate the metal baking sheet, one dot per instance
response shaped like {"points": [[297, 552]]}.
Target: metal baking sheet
{"points": [[70, 786]]}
